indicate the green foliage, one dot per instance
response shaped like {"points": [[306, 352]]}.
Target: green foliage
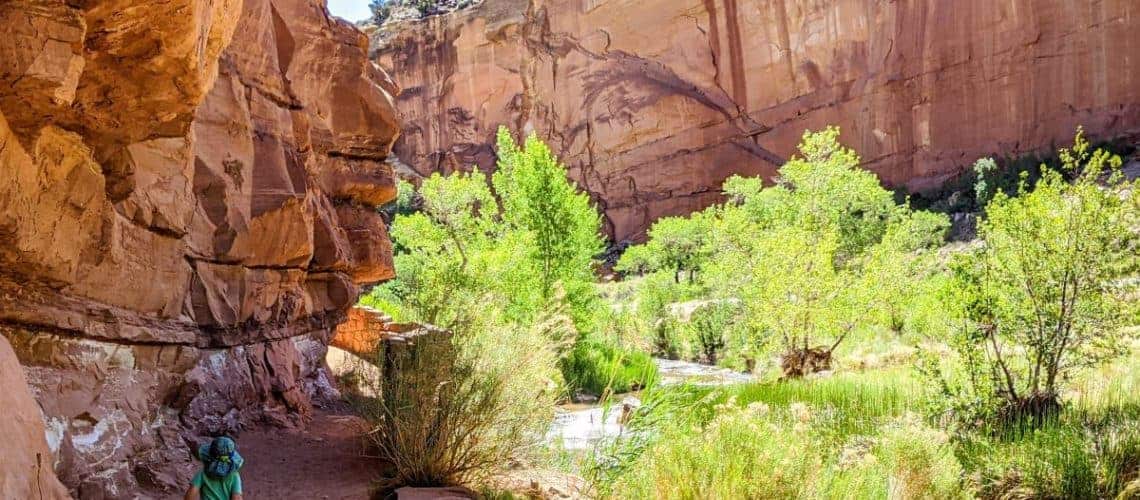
{"points": [[465, 250], [406, 198], [525, 249], [710, 325], [819, 254], [824, 252], [1081, 455], [1012, 175], [846, 438], [602, 368], [537, 198], [983, 191], [677, 244], [1037, 301], [458, 256]]}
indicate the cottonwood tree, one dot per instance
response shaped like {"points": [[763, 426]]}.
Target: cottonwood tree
{"points": [[564, 228], [1037, 300], [676, 244], [809, 256]]}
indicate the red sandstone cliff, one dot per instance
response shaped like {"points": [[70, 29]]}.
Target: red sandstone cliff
{"points": [[187, 194], [652, 103]]}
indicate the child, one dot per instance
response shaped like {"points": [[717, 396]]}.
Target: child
{"points": [[219, 478]]}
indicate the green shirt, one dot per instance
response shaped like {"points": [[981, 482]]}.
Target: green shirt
{"points": [[217, 489]]}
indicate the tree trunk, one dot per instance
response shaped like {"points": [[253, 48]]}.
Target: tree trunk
{"points": [[799, 362]]}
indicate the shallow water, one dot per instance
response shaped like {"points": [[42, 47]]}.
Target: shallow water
{"points": [[580, 426], [679, 372]]}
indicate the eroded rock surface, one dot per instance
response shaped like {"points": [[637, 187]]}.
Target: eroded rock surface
{"points": [[26, 467], [187, 200], [653, 103]]}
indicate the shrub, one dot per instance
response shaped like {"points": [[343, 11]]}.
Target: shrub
{"points": [[983, 190], [454, 409], [710, 325], [1037, 301], [907, 459]]}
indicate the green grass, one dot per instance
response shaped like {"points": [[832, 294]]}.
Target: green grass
{"points": [[853, 402], [601, 368], [1083, 454], [851, 435], [860, 435]]}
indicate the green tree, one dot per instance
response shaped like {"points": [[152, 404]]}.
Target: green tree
{"points": [[638, 259], [811, 258], [815, 255], [1038, 300], [538, 198], [458, 254], [677, 244]]}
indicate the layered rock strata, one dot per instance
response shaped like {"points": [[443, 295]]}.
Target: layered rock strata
{"points": [[653, 103], [187, 209]]}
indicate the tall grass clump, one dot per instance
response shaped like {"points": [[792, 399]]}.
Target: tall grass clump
{"points": [[1062, 460], [739, 454], [602, 368], [906, 459], [455, 408], [757, 450]]}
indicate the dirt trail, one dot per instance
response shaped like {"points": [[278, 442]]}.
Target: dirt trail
{"points": [[323, 462]]}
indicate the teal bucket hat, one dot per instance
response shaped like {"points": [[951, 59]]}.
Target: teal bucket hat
{"points": [[220, 457]]}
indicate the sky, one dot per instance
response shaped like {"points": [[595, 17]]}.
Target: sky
{"points": [[352, 10]]}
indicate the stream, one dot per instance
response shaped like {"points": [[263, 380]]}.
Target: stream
{"points": [[580, 426], [577, 426]]}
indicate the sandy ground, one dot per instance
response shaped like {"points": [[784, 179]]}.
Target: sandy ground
{"points": [[324, 462]]}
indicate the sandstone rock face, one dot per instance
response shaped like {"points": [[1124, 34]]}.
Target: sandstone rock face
{"points": [[366, 328], [26, 466], [653, 103], [187, 200]]}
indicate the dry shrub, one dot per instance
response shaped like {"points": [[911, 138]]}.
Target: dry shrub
{"points": [[456, 408]]}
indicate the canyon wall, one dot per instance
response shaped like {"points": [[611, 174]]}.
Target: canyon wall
{"points": [[187, 210], [653, 103]]}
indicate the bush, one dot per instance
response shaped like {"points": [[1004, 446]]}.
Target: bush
{"points": [[739, 454], [601, 369], [709, 323], [906, 460], [454, 409], [1037, 301]]}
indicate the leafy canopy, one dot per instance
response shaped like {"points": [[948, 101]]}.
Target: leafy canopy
{"points": [[1039, 299], [467, 249], [823, 251]]}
